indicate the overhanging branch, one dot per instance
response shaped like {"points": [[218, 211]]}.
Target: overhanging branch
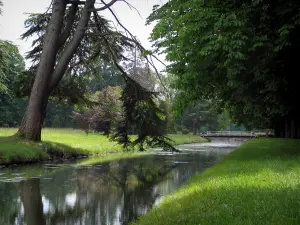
{"points": [[114, 58], [106, 5], [72, 46], [141, 48], [67, 31]]}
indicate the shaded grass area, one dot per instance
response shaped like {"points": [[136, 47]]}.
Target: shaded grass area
{"points": [[64, 143], [256, 184]]}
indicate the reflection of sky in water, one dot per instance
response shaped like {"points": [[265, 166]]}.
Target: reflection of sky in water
{"points": [[113, 192], [22, 208], [47, 206], [71, 199]]}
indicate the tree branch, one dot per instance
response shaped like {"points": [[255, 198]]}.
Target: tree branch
{"points": [[67, 31], [141, 48], [72, 46], [74, 2], [106, 5], [114, 58], [132, 7]]}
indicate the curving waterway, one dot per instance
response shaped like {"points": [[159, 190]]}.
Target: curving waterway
{"points": [[114, 192]]}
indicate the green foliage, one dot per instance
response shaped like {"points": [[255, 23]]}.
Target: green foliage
{"points": [[142, 112], [106, 113], [71, 89], [11, 64], [103, 75], [225, 123], [11, 67], [59, 115], [100, 42], [196, 116], [238, 54], [56, 121], [93, 47], [255, 184], [11, 110]]}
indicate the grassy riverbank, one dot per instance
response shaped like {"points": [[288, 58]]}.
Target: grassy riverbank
{"points": [[256, 184], [64, 143]]}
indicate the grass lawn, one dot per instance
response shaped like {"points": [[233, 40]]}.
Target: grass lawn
{"points": [[65, 142], [186, 138], [11, 151], [259, 183]]}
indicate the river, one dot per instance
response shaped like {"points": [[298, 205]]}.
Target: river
{"points": [[107, 193]]}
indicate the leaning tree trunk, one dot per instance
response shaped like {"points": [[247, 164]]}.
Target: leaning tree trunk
{"points": [[49, 73], [34, 116]]}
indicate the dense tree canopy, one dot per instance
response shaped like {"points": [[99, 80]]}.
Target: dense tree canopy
{"points": [[11, 64], [241, 55], [11, 67], [68, 42]]}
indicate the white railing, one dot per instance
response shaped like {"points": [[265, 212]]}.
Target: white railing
{"points": [[228, 134]]}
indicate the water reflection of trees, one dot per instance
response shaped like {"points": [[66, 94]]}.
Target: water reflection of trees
{"points": [[111, 193], [9, 204], [32, 202]]}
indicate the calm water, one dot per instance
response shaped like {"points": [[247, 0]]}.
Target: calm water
{"points": [[114, 192]]}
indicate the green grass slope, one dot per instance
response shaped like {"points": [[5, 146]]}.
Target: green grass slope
{"points": [[259, 183], [64, 143]]}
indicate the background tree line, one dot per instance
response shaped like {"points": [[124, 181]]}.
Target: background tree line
{"points": [[238, 55], [103, 78], [77, 64]]}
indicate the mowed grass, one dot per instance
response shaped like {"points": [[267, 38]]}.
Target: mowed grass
{"points": [[259, 183], [180, 139], [65, 143], [91, 143], [15, 152]]}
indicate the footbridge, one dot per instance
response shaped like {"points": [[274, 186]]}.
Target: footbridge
{"points": [[240, 136]]}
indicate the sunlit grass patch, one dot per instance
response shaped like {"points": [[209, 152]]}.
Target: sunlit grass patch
{"points": [[186, 138], [256, 184], [66, 143], [111, 157]]}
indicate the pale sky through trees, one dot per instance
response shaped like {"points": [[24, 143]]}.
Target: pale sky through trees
{"points": [[12, 20]]}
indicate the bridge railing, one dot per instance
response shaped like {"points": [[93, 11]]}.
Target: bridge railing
{"points": [[229, 134]]}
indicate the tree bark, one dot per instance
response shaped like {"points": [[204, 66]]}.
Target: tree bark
{"points": [[71, 48], [48, 74], [34, 116], [293, 129], [286, 130]]}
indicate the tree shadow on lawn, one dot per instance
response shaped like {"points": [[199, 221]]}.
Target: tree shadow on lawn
{"points": [[63, 151]]}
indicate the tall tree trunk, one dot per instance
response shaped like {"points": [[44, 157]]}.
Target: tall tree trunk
{"points": [[48, 74], [286, 129], [34, 116], [293, 132]]}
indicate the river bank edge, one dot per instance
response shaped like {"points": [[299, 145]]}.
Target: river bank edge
{"points": [[258, 183], [14, 151]]}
